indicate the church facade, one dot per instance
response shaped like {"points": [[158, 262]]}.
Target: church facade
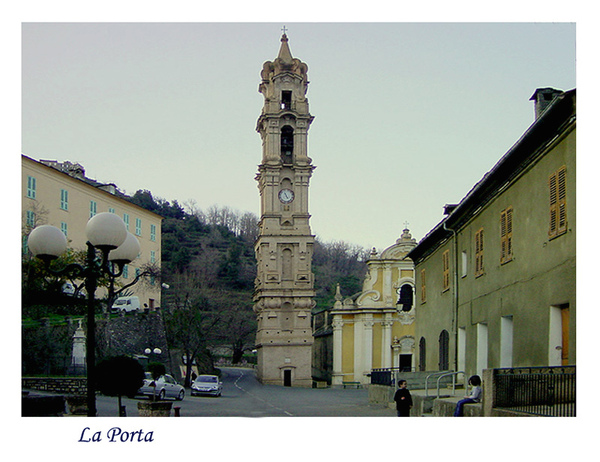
{"points": [[374, 328], [284, 287]]}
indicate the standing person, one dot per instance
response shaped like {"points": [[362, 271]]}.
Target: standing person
{"points": [[403, 399], [474, 397]]}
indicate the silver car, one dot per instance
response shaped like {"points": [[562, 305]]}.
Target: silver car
{"points": [[164, 387], [207, 385]]}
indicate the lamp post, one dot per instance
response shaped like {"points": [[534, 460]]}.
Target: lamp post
{"points": [[156, 351], [107, 235]]}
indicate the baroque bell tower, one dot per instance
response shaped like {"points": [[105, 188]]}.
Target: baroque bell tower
{"points": [[284, 290]]}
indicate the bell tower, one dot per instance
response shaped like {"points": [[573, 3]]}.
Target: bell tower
{"points": [[284, 287]]}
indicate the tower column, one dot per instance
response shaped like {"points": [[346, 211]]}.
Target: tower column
{"points": [[284, 288]]}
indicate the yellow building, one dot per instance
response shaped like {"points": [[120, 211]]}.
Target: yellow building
{"points": [[59, 194], [376, 327]]}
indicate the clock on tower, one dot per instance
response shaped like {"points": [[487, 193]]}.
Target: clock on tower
{"points": [[284, 292]]}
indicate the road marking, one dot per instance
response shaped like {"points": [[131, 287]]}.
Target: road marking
{"points": [[258, 397]]}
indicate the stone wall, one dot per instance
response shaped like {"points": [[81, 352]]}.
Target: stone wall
{"points": [[131, 334], [381, 395], [47, 348], [64, 385], [444, 407]]}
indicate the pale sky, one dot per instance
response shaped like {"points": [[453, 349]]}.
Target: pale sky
{"points": [[408, 116]]}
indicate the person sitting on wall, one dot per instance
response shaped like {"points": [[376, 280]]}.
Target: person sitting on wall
{"points": [[474, 397]]}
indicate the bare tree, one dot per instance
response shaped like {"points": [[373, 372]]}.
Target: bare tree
{"points": [[190, 320]]}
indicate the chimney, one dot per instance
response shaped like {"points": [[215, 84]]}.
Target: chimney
{"points": [[543, 97], [449, 208]]}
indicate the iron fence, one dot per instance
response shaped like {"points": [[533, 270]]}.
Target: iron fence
{"points": [[544, 391], [383, 376], [386, 376]]}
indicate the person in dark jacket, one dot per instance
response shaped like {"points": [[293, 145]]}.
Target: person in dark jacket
{"points": [[403, 399]]}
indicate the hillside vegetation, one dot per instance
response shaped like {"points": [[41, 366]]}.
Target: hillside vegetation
{"points": [[208, 256]]}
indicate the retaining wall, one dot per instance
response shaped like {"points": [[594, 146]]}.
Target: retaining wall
{"points": [[66, 385]]}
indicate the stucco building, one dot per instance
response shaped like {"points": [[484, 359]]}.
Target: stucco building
{"points": [[495, 279], [59, 194]]}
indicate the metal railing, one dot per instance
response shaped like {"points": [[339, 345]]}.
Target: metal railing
{"points": [[386, 376], [383, 376], [453, 374], [544, 391], [441, 375]]}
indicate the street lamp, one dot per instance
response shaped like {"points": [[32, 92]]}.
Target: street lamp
{"points": [[156, 351], [106, 233]]}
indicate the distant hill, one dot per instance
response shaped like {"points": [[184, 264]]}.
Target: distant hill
{"points": [[218, 245]]}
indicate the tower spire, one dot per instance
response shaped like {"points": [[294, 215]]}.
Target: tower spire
{"points": [[284, 51]]}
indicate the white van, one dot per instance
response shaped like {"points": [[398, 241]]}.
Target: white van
{"points": [[126, 304]]}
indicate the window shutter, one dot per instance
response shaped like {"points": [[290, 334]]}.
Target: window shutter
{"points": [[557, 184], [503, 249], [562, 200], [553, 209], [423, 291], [479, 252], [509, 222], [446, 269], [506, 235]]}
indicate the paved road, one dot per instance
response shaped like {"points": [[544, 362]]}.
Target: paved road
{"points": [[244, 396]]}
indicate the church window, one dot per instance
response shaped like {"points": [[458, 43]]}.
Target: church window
{"points": [[406, 297], [286, 99], [287, 144]]}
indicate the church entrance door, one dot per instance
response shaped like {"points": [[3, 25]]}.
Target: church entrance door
{"points": [[405, 363]]}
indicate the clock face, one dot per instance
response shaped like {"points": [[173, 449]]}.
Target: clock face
{"points": [[286, 196]]}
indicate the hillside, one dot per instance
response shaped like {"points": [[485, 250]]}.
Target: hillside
{"points": [[217, 247]]}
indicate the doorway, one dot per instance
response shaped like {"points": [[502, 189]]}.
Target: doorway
{"points": [[405, 364], [558, 347], [287, 378]]}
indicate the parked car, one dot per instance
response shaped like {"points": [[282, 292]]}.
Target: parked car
{"points": [[207, 385], [166, 387]]}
